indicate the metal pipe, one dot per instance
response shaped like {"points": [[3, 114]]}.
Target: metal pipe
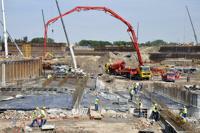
{"points": [[3, 66], [43, 18], [4, 30], [12, 40], [195, 35], [66, 36]]}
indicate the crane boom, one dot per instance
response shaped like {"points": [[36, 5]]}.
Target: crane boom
{"points": [[195, 35], [106, 10]]}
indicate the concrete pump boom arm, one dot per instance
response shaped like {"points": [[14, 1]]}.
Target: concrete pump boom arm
{"points": [[107, 10]]}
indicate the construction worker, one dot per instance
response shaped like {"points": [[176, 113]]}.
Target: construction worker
{"points": [[155, 113], [35, 115], [140, 86], [96, 103], [107, 68], [130, 90], [188, 77], [136, 87], [43, 116], [140, 107], [183, 112]]}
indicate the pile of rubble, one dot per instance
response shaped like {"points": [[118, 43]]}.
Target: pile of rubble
{"points": [[192, 87], [142, 124], [114, 114], [52, 114], [64, 114], [15, 115]]}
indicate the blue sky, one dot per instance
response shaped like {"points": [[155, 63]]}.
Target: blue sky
{"points": [[159, 19]]}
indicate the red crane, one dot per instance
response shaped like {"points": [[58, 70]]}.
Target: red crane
{"points": [[106, 10]]}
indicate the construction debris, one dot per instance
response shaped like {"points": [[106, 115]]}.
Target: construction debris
{"points": [[192, 87]]}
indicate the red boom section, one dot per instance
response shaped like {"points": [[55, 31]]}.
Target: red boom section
{"points": [[107, 10]]}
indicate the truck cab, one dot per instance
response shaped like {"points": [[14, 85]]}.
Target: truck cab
{"points": [[145, 72]]}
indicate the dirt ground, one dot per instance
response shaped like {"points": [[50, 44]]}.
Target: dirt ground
{"points": [[95, 64], [90, 126]]}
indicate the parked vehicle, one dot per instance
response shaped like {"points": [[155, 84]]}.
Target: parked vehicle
{"points": [[169, 77]]}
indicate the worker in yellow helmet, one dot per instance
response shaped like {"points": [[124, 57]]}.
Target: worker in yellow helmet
{"points": [[43, 116], [35, 115], [183, 113], [140, 105], [136, 88], [107, 68], [155, 113], [131, 91], [97, 100]]}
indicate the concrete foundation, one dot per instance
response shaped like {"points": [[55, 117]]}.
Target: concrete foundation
{"points": [[177, 93], [166, 52]]}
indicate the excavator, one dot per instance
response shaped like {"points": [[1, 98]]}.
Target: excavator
{"points": [[119, 68]]}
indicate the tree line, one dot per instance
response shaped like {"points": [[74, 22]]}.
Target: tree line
{"points": [[25, 40], [93, 43]]}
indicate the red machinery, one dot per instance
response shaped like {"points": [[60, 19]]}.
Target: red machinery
{"points": [[106, 10], [118, 67], [166, 73]]}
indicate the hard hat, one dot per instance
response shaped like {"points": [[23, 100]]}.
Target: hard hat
{"points": [[43, 107], [137, 83], [37, 108], [155, 104]]}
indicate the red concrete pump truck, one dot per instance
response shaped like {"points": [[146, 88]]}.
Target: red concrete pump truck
{"points": [[119, 68]]}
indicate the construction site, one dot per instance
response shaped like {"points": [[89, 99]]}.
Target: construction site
{"points": [[108, 89]]}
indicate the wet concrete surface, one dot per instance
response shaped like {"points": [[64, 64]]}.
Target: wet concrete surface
{"points": [[31, 101], [117, 101], [64, 100]]}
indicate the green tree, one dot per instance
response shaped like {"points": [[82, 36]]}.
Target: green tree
{"points": [[92, 43], [122, 43], [158, 43], [41, 40]]}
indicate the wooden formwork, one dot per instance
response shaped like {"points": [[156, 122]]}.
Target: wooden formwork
{"points": [[20, 69]]}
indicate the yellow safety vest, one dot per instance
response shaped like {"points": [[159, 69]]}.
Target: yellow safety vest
{"points": [[97, 101], [184, 110], [134, 85], [130, 89], [34, 114], [43, 113]]}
